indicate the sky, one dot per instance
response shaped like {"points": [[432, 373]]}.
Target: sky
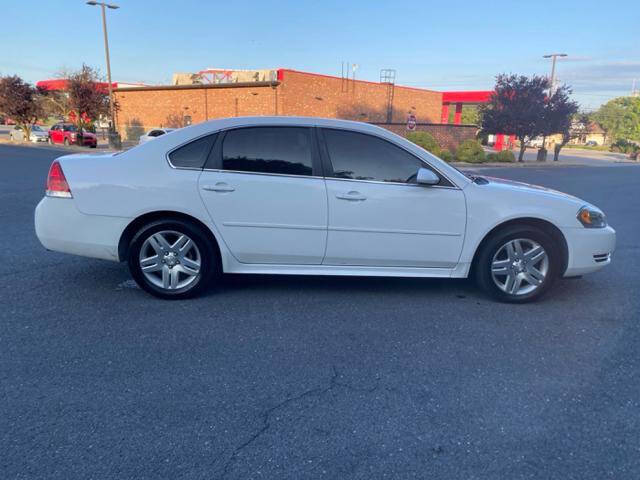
{"points": [[452, 45]]}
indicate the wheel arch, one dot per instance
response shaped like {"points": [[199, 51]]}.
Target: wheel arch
{"points": [[543, 225], [135, 225]]}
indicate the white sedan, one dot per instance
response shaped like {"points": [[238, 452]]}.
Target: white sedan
{"points": [[308, 196], [155, 133]]}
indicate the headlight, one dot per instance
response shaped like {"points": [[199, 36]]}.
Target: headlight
{"points": [[591, 218]]}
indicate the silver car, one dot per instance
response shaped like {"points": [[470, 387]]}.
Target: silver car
{"points": [[38, 134]]}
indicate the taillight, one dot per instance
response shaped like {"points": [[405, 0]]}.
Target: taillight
{"points": [[57, 185]]}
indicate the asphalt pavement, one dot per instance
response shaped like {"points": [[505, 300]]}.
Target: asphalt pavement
{"points": [[280, 377]]}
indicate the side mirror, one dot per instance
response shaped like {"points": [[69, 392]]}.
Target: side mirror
{"points": [[427, 177]]}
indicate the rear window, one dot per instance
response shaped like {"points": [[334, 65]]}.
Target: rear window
{"points": [[193, 154], [276, 150]]}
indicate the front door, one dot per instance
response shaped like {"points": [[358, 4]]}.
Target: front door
{"points": [[264, 192], [379, 216]]}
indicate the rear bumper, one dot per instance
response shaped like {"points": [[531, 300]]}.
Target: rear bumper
{"points": [[61, 227], [590, 249]]}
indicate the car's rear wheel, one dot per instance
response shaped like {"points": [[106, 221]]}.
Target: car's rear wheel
{"points": [[518, 264], [66, 141], [172, 259]]}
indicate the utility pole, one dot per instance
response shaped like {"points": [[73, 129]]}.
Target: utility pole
{"points": [[552, 85], [552, 81], [112, 119]]}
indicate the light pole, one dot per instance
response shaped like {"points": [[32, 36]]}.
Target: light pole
{"points": [[106, 51], [552, 81]]}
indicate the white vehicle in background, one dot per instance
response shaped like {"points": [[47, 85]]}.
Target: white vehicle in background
{"points": [[309, 196], [535, 142], [38, 134], [155, 133]]}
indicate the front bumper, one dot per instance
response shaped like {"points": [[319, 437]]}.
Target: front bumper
{"points": [[61, 227], [590, 249]]}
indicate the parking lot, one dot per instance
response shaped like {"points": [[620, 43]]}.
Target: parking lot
{"points": [[318, 377]]}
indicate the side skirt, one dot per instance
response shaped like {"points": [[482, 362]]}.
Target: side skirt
{"points": [[342, 270]]}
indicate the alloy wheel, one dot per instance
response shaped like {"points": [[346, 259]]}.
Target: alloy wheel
{"points": [[520, 266], [170, 260]]}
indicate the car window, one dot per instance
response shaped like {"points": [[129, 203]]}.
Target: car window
{"points": [[69, 128], [193, 154], [281, 150], [154, 133], [359, 156], [36, 128]]}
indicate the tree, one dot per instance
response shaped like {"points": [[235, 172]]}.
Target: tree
{"points": [[620, 118], [19, 101], [559, 116], [517, 107], [87, 98]]}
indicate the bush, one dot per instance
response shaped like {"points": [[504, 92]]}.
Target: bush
{"points": [[447, 156], [426, 141], [470, 151], [624, 146], [492, 157], [505, 156]]}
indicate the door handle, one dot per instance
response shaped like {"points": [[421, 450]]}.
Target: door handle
{"points": [[218, 187], [352, 195]]}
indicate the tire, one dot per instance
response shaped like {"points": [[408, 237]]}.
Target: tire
{"points": [[172, 275], [518, 274], [66, 142], [94, 146]]}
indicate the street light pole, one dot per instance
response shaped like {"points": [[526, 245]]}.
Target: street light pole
{"points": [[106, 51]]}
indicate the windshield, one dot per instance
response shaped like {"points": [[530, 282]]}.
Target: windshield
{"points": [[36, 128]]}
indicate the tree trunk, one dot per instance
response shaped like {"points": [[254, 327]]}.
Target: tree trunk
{"points": [[556, 151], [523, 147]]}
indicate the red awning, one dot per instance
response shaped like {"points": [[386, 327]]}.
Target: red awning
{"points": [[62, 84]]}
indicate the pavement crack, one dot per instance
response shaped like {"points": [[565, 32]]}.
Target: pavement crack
{"points": [[265, 416]]}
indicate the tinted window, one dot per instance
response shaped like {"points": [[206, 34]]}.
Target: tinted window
{"points": [[365, 157], [285, 150], [194, 154], [70, 128]]}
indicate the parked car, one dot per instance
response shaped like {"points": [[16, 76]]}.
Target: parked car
{"points": [[536, 142], [307, 196], [37, 134], [16, 134], [67, 133], [156, 132], [591, 143]]}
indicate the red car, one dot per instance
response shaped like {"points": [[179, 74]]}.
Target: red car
{"points": [[67, 133]]}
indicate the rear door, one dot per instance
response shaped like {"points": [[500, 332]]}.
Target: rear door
{"points": [[263, 188]]}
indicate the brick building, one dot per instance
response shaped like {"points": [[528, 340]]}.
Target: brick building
{"points": [[292, 93]]}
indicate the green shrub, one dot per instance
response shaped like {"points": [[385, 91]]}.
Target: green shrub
{"points": [[426, 141], [624, 146], [470, 151], [447, 156], [506, 156], [492, 157]]}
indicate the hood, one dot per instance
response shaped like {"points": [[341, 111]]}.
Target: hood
{"points": [[503, 184]]}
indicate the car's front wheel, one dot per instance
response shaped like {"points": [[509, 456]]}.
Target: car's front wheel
{"points": [[172, 259], [518, 264]]}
